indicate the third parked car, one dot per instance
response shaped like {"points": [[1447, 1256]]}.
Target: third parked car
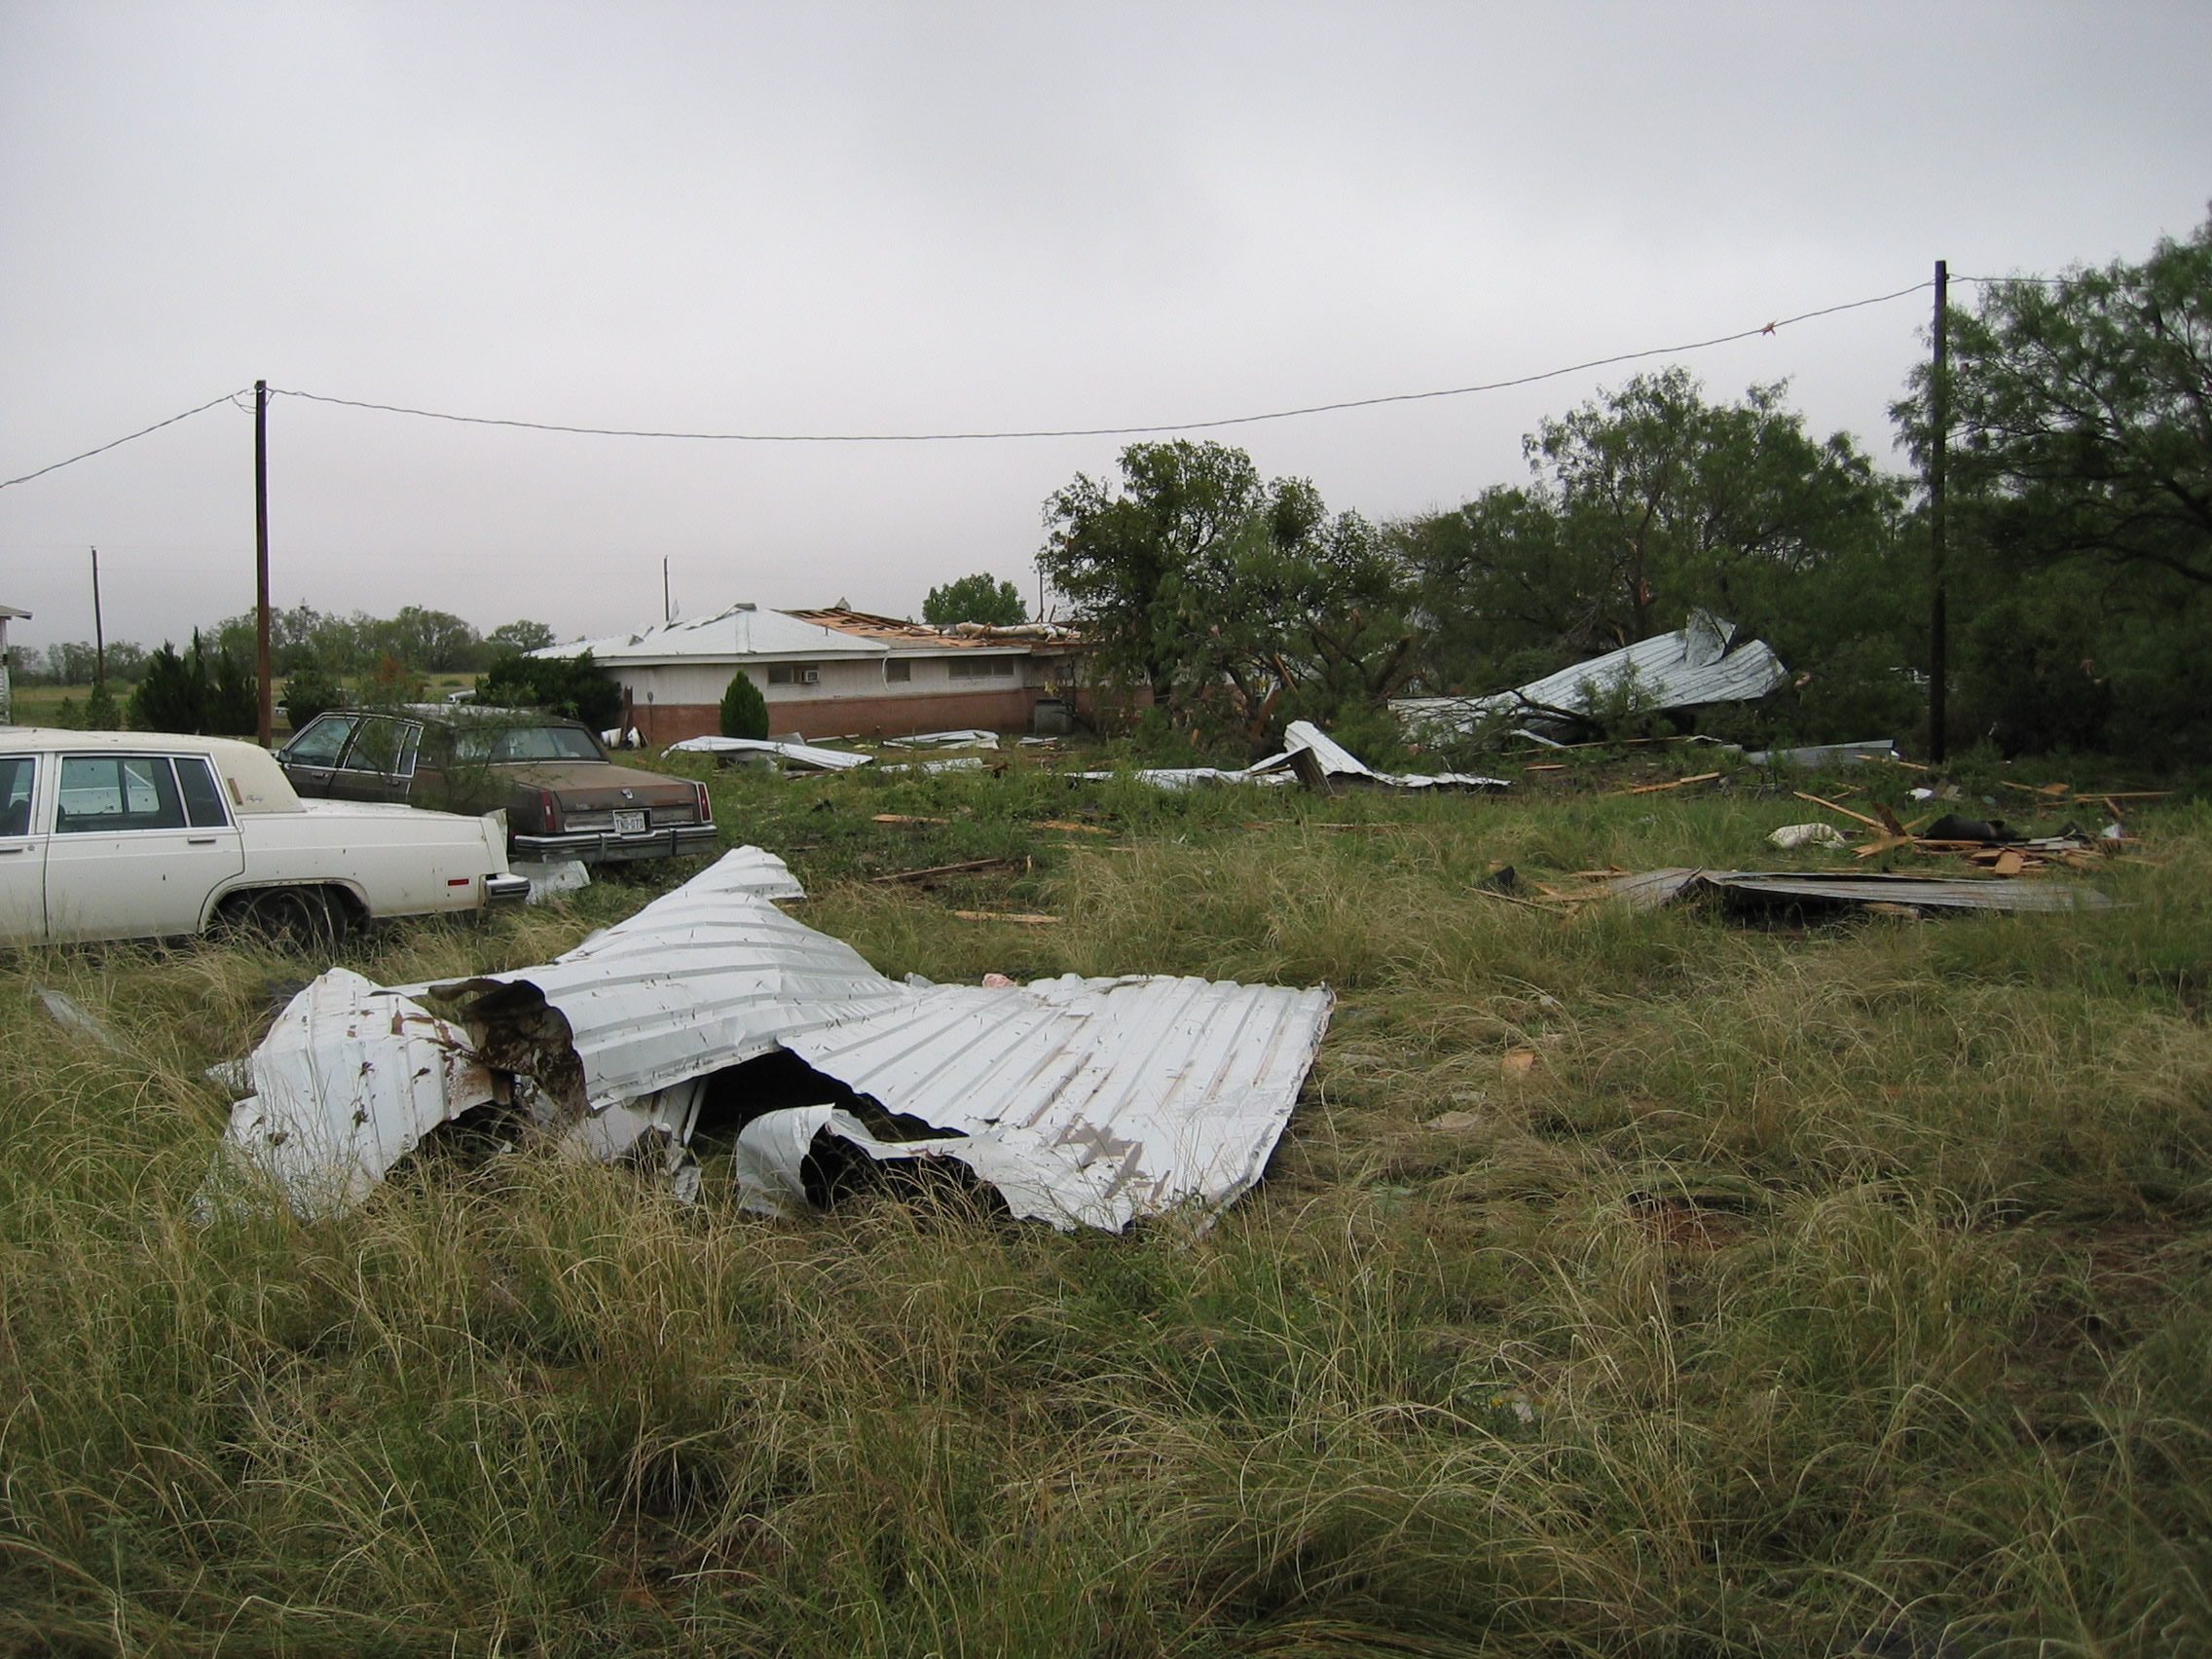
{"points": [[563, 798]]}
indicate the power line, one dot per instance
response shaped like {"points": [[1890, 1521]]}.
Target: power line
{"points": [[991, 436], [1101, 431], [120, 442]]}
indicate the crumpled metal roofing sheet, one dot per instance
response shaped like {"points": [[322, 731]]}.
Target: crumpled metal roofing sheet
{"points": [[1085, 1101], [1090, 1101], [798, 754], [347, 1081], [1682, 670]]}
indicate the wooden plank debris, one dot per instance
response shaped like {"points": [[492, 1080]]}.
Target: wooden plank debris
{"points": [[1016, 916], [1823, 800], [942, 869], [1673, 783]]}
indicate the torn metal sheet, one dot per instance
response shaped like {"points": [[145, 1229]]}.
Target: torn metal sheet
{"points": [[1337, 761], [807, 754], [1826, 754], [1683, 670], [1085, 1102], [346, 1083], [1090, 1101], [969, 737], [1649, 889]]}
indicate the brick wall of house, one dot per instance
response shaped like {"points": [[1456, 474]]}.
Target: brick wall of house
{"points": [[1004, 708]]}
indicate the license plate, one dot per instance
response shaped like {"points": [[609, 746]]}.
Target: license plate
{"points": [[629, 823]]}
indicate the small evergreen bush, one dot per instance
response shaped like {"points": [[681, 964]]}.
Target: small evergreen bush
{"points": [[745, 712]]}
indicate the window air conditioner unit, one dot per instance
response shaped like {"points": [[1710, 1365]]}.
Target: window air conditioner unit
{"points": [[810, 676]]}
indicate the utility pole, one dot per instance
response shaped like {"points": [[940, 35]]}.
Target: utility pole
{"points": [[1940, 420], [99, 634], [268, 727], [666, 611]]}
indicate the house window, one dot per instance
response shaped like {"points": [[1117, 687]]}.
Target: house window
{"points": [[982, 668], [897, 671], [795, 674]]}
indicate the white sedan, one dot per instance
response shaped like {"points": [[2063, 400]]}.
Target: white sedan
{"points": [[112, 835]]}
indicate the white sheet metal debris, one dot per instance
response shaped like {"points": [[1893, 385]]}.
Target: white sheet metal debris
{"points": [[1826, 753], [968, 737], [347, 1081], [806, 754], [1682, 670], [1334, 760], [1085, 1102]]}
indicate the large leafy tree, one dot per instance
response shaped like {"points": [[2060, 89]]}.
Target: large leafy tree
{"points": [[1138, 557], [979, 598], [1652, 502], [2081, 488], [2082, 413]]}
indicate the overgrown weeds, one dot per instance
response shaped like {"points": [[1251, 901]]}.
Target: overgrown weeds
{"points": [[1627, 1284]]}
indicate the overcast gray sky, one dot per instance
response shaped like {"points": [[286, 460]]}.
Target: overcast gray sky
{"points": [[928, 217]]}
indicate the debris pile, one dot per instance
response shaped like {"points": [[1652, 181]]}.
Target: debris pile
{"points": [[1311, 758], [1084, 1102]]}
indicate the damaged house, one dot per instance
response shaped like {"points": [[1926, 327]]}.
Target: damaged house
{"points": [[832, 673]]}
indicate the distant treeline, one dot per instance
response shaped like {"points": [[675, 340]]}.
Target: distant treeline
{"points": [[2079, 570], [304, 638]]}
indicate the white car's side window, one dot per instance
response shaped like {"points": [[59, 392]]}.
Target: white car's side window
{"points": [[103, 793], [203, 798], [16, 774]]}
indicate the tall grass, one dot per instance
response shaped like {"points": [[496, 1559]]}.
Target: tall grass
{"points": [[1807, 1291]]}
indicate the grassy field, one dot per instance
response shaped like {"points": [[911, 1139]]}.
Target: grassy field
{"points": [[1809, 1290]]}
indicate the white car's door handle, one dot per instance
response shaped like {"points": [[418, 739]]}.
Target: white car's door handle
{"points": [[199, 840], [15, 849]]}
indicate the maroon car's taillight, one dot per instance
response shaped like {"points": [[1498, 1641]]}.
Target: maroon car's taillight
{"points": [[706, 806], [549, 812]]}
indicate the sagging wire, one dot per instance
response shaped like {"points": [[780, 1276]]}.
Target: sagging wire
{"points": [[226, 397], [1103, 432], [232, 398]]}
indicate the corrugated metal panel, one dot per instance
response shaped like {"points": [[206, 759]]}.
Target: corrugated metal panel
{"points": [[346, 1081], [1085, 1101], [1091, 1101], [1681, 670], [1651, 888]]}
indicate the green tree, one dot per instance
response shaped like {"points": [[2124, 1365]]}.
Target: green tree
{"points": [[574, 687], [1651, 503], [1138, 558], [745, 711], [2081, 486], [521, 636], [100, 711], [310, 689], [981, 597], [204, 689]]}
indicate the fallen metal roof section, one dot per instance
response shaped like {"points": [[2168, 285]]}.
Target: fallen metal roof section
{"points": [[797, 754], [1687, 669], [1649, 889], [347, 1082], [1085, 1102], [1302, 737]]}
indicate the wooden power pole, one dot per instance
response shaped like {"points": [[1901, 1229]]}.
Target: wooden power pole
{"points": [[99, 634], [268, 725], [1939, 423]]}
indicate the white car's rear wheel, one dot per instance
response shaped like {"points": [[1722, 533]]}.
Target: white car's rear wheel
{"points": [[304, 919]]}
